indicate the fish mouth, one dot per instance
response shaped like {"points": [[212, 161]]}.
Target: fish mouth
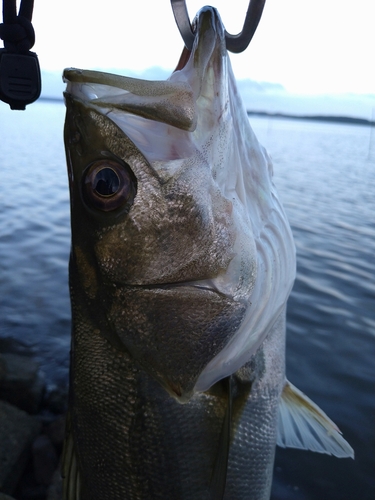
{"points": [[146, 98], [200, 286]]}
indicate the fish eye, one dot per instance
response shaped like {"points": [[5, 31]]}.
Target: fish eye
{"points": [[108, 185]]}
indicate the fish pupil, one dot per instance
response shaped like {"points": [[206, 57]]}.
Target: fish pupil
{"points": [[106, 182], [108, 185]]}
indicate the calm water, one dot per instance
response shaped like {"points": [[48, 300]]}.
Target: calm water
{"points": [[325, 174]]}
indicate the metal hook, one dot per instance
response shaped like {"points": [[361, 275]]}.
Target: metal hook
{"points": [[234, 43]]}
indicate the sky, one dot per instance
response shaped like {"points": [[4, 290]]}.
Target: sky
{"points": [[308, 46]]}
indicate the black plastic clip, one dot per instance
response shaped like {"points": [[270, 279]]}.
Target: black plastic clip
{"points": [[20, 81]]}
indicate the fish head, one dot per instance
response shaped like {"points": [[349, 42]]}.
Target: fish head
{"points": [[169, 188]]}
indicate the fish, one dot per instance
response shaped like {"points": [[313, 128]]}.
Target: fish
{"points": [[182, 261]]}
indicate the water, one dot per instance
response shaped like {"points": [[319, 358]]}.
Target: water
{"points": [[325, 174], [35, 235]]}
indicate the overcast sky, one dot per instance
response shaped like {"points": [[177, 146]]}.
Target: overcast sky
{"points": [[309, 46]]}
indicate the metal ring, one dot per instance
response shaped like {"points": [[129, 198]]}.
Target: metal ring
{"points": [[234, 43]]}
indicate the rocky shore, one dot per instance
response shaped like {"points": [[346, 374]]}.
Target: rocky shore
{"points": [[32, 421]]}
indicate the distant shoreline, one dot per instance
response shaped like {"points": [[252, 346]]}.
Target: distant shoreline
{"points": [[51, 99], [316, 118]]}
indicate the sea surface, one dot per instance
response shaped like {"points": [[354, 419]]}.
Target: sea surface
{"points": [[325, 175]]}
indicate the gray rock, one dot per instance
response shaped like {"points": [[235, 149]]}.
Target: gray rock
{"points": [[44, 459], [3, 496], [55, 489], [21, 382], [56, 399], [17, 432], [56, 432]]}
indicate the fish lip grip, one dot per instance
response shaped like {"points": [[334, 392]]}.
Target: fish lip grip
{"points": [[234, 43], [20, 81]]}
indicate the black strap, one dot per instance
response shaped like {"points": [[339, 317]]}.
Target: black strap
{"points": [[16, 31], [20, 82]]}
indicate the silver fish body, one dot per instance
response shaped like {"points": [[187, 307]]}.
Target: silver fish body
{"points": [[135, 441], [182, 262]]}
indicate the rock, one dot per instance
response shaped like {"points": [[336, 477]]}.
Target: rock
{"points": [[21, 382], [17, 432], [15, 346], [55, 490], [33, 492], [56, 432], [56, 399], [3, 496], [44, 459]]}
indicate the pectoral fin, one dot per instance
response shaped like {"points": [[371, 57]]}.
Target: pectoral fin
{"points": [[70, 472], [302, 424]]}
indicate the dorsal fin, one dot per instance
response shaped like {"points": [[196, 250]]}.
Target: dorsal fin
{"points": [[219, 473], [302, 424]]}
